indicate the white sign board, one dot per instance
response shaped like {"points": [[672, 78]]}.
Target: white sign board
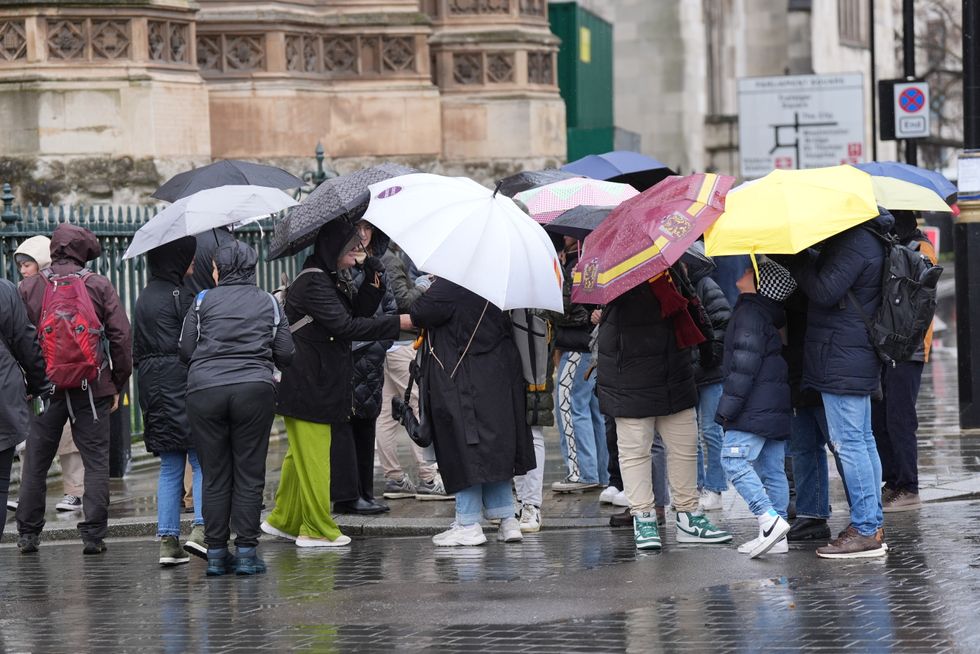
{"points": [[800, 121], [911, 110]]}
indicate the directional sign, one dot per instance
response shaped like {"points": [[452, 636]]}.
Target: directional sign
{"points": [[911, 110]]}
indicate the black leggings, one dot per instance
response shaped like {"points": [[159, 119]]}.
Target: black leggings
{"points": [[6, 462]]}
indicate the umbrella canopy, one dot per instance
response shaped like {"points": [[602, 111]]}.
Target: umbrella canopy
{"points": [[528, 179], [578, 222], [339, 196], [927, 178], [646, 235], [206, 210], [225, 173], [455, 228], [638, 170], [892, 193], [789, 210], [548, 202]]}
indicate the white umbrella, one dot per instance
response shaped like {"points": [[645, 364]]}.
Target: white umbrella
{"points": [[206, 210], [454, 228]]}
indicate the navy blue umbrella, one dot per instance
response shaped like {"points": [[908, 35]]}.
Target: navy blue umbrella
{"points": [[638, 170], [927, 178]]}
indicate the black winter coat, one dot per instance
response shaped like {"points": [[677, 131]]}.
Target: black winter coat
{"points": [[642, 372], [319, 387], [161, 377], [477, 418], [756, 396], [838, 356], [573, 329], [22, 370], [719, 310]]}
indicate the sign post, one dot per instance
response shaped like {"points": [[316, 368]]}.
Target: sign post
{"points": [[911, 110]]}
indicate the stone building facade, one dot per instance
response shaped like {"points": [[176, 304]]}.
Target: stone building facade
{"points": [[105, 99]]}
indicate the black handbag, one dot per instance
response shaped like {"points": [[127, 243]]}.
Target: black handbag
{"points": [[401, 409]]}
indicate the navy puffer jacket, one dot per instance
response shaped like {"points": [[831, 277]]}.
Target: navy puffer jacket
{"points": [[838, 357], [719, 310], [756, 397]]}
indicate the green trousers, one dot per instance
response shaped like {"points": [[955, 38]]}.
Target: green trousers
{"points": [[303, 498]]}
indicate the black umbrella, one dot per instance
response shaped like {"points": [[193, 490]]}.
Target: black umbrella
{"points": [[346, 195], [224, 173], [528, 179], [578, 222]]}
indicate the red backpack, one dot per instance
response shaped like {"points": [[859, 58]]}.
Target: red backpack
{"points": [[70, 332]]}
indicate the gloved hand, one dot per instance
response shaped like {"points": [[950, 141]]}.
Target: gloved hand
{"points": [[373, 265]]}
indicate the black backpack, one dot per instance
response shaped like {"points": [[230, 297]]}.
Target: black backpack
{"points": [[908, 302]]}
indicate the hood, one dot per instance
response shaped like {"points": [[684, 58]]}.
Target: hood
{"points": [[331, 241], [75, 244], [699, 265], [883, 222], [37, 248], [236, 264], [906, 225], [170, 261], [379, 243]]}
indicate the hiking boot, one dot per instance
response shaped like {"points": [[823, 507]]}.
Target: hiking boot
{"points": [[900, 500], [93, 546], [220, 561], [28, 543], [456, 536], [247, 562], [772, 529], [781, 546], [432, 490], [69, 503], [645, 533], [170, 552], [530, 519], [316, 541], [696, 528], [808, 529], [509, 531], [709, 501], [275, 531], [195, 543], [573, 485], [879, 536], [399, 489], [852, 545], [608, 494]]}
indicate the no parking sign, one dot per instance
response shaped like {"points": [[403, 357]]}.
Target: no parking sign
{"points": [[911, 110]]}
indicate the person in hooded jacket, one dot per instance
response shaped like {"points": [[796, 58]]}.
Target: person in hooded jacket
{"points": [[840, 363], [162, 383], [202, 278], [474, 407], [316, 395], [22, 374], [33, 256], [71, 248], [233, 338]]}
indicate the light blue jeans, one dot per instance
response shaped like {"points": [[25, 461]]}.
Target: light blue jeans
{"points": [[808, 448], [170, 491], [756, 467], [849, 429], [709, 442], [579, 422], [494, 500]]}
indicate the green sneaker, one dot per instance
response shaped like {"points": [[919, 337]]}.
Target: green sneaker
{"points": [[170, 552], [645, 533], [195, 543], [696, 528]]}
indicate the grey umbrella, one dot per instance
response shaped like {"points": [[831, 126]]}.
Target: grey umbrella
{"points": [[578, 222], [528, 179], [346, 195], [225, 173]]}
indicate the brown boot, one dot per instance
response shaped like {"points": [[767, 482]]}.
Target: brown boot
{"points": [[900, 500], [623, 519], [852, 545]]}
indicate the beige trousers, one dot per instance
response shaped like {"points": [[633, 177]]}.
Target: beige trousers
{"points": [[680, 435], [388, 430], [72, 470]]}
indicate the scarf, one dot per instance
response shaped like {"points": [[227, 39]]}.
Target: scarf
{"points": [[674, 305]]}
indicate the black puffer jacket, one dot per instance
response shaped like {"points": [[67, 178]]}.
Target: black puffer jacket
{"points": [[719, 310], [642, 373], [22, 370], [756, 396], [161, 377], [573, 328], [838, 356], [319, 387]]}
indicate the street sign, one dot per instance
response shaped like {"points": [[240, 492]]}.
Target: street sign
{"points": [[800, 121], [911, 110]]}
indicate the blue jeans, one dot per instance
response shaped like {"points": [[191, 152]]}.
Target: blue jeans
{"points": [[808, 448], [582, 430], [849, 428], [756, 468], [709, 443], [170, 491], [495, 500]]}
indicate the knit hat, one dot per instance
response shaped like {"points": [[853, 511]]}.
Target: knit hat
{"points": [[775, 282]]}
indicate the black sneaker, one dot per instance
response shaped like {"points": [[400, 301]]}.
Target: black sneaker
{"points": [[28, 543], [220, 562], [808, 529], [93, 546], [69, 503]]}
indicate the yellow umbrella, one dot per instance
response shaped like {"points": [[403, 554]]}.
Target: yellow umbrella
{"points": [[789, 210], [894, 193]]}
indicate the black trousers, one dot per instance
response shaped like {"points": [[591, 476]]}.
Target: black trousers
{"points": [[6, 462], [91, 435], [895, 422], [231, 426], [352, 459], [612, 444]]}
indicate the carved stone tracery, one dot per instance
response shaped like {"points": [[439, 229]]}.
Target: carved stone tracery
{"points": [[500, 67], [13, 40], [244, 52], [468, 68], [110, 39], [398, 53], [540, 68], [66, 39], [340, 54], [478, 7]]}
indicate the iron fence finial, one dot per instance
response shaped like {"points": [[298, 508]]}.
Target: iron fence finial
{"points": [[9, 216]]}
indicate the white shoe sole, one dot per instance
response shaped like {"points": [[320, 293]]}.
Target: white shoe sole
{"points": [[530, 529], [461, 542], [432, 497], [196, 549], [272, 531], [624, 503], [869, 554], [340, 541], [652, 545], [778, 533], [169, 560], [65, 508], [683, 537], [578, 488], [398, 496], [608, 498], [511, 538]]}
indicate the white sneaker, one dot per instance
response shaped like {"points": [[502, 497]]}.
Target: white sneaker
{"points": [[781, 547], [620, 499], [608, 494], [710, 501], [509, 531], [11, 505], [310, 541], [272, 531], [772, 529], [456, 536], [530, 519]]}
